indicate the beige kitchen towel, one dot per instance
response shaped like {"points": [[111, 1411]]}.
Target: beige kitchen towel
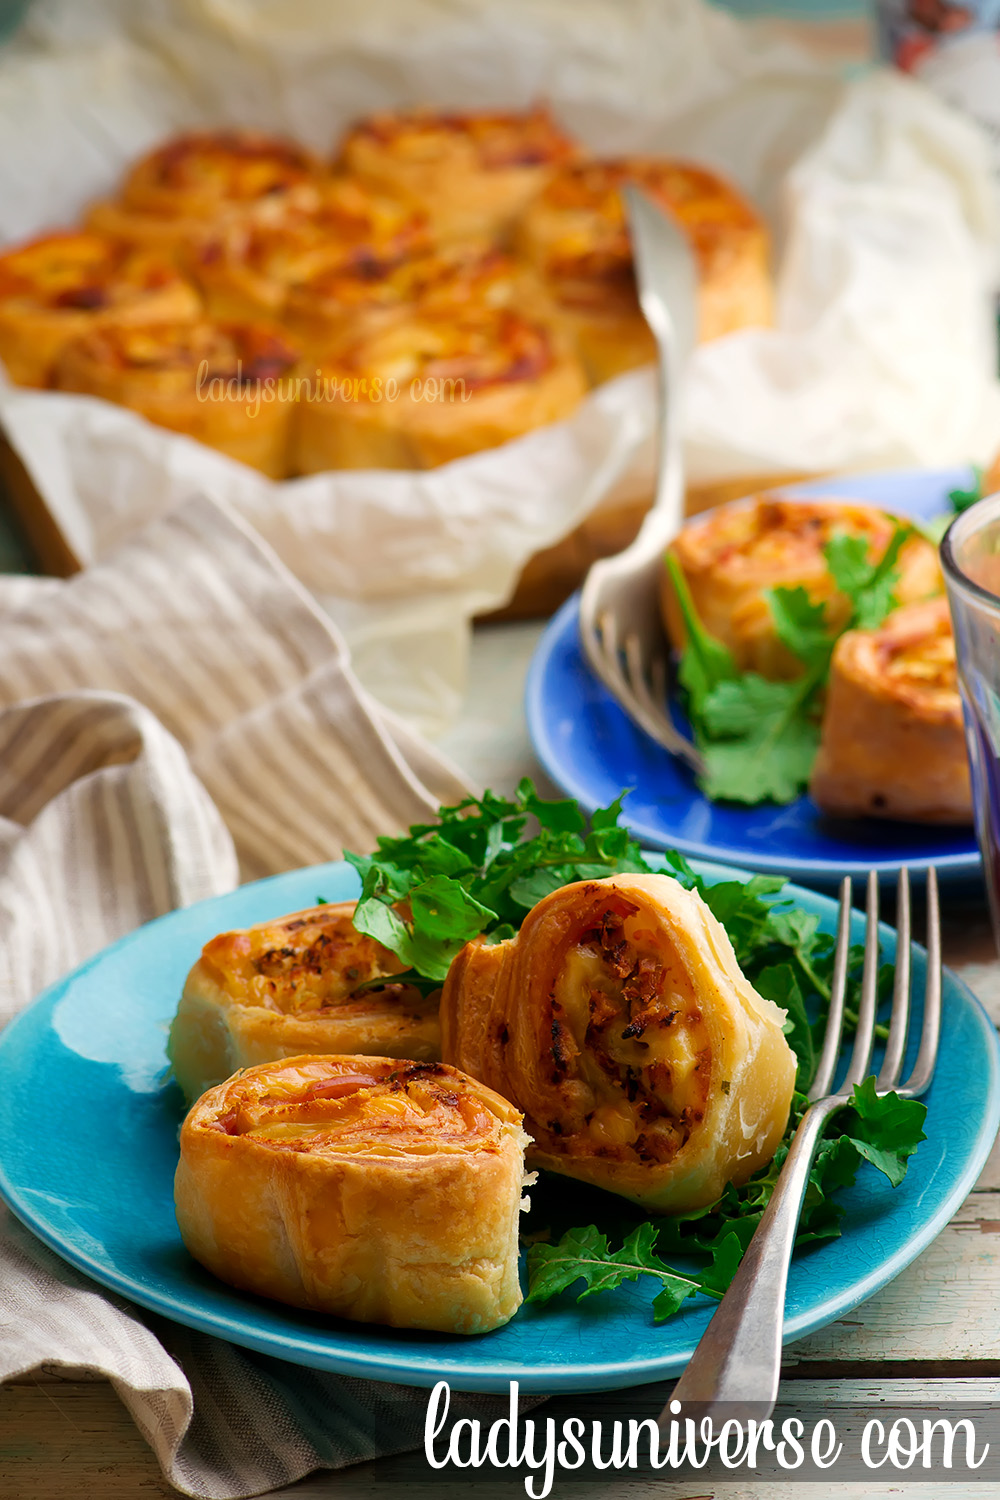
{"points": [[167, 719]]}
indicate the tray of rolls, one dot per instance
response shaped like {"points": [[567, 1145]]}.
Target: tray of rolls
{"points": [[437, 285]]}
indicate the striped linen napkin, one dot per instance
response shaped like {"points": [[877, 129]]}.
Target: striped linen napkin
{"points": [[174, 719]]}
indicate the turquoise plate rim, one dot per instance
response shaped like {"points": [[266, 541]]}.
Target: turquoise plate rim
{"points": [[340, 1347]]}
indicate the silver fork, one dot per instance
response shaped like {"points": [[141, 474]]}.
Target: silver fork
{"points": [[620, 627], [737, 1364]]}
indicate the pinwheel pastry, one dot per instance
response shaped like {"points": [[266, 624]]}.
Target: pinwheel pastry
{"points": [[471, 173], [575, 232], [304, 983], [345, 299], [374, 1189], [176, 194], [618, 1020], [731, 557], [55, 288], [228, 385], [245, 270], [434, 384], [893, 743]]}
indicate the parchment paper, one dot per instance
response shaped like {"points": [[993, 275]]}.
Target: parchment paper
{"points": [[880, 199]]}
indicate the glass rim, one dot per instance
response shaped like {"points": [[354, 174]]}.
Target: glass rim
{"points": [[989, 510]]}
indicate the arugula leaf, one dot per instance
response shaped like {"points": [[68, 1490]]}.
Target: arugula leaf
{"points": [[584, 1255], [427, 892]]}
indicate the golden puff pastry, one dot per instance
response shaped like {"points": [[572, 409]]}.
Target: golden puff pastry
{"points": [[297, 984], [575, 233], [373, 1189], [343, 301], [893, 741], [55, 288], [731, 557], [471, 173], [619, 1021], [434, 384], [229, 385], [246, 268], [175, 194]]}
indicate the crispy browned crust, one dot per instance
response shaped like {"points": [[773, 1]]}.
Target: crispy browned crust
{"points": [[206, 380], [575, 233], [296, 984]]}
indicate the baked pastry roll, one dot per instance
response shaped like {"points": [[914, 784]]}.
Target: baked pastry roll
{"points": [[374, 1189], [55, 288], [174, 195], [298, 984], [731, 557], [575, 232], [434, 384], [471, 173], [245, 270], [345, 299], [229, 385], [893, 740], [619, 1021]]}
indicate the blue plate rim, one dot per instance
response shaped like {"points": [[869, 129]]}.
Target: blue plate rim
{"points": [[850, 486], [823, 870], [417, 1368]]}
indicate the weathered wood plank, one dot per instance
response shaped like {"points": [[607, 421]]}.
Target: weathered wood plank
{"points": [[77, 1438]]}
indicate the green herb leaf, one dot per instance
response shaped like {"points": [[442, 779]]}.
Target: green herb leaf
{"points": [[779, 983], [885, 1130], [962, 499], [427, 892], [801, 625]]}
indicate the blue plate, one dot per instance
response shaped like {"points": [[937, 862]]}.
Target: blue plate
{"points": [[591, 749], [88, 1146]]}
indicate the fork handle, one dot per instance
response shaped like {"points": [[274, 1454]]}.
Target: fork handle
{"points": [[737, 1363]]}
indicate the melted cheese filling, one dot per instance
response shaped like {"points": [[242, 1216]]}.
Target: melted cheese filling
{"points": [[631, 1044]]}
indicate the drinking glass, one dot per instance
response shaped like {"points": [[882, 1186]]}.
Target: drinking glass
{"points": [[970, 556]]}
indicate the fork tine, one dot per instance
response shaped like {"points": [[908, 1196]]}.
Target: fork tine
{"points": [[838, 990], [923, 1068], [895, 1047], [864, 1037], [633, 692]]}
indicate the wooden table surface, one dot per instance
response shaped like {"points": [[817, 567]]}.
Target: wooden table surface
{"points": [[933, 1333]]}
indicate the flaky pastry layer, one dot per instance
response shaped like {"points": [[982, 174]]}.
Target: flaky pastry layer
{"points": [[370, 1188], [731, 557], [470, 173], [893, 739], [575, 233], [56, 288], [435, 383], [297, 984], [619, 1021], [226, 384]]}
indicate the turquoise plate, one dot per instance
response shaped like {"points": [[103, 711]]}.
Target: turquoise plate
{"points": [[88, 1146]]}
